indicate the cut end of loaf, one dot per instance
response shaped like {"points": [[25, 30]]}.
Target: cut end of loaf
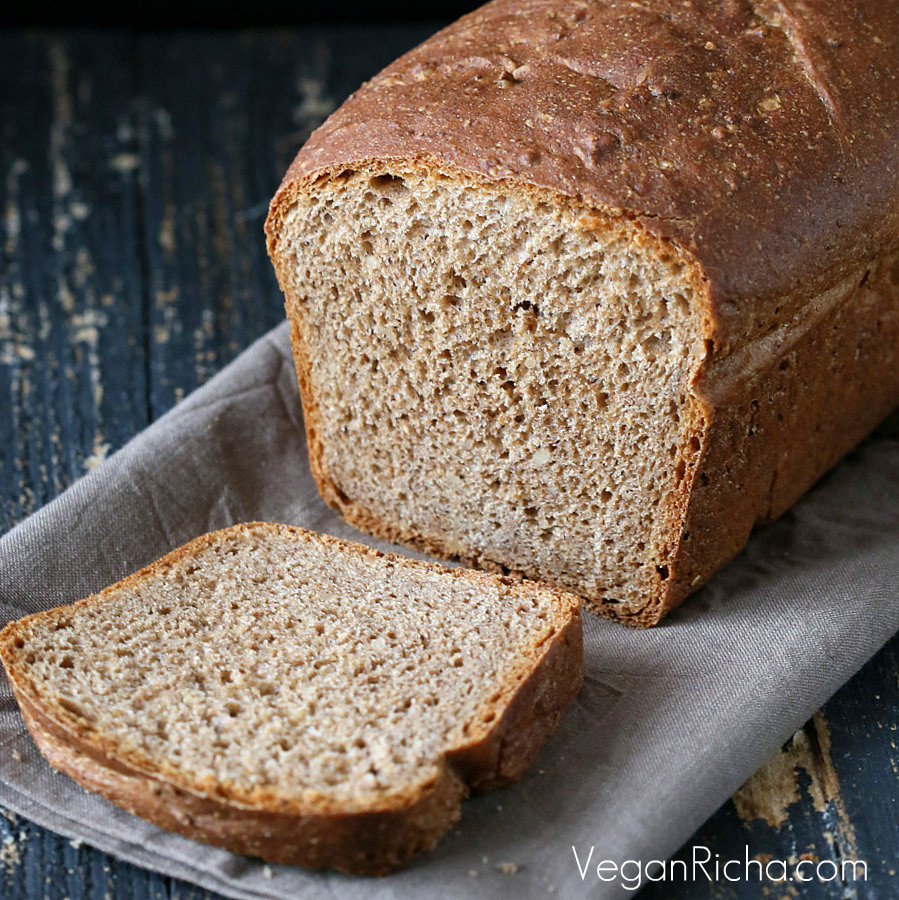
{"points": [[296, 697], [496, 374]]}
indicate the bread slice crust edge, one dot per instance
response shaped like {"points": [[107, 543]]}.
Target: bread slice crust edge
{"points": [[370, 838]]}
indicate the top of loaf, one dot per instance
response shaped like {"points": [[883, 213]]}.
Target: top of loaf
{"points": [[760, 136]]}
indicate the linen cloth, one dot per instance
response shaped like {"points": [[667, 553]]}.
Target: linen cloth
{"points": [[669, 722]]}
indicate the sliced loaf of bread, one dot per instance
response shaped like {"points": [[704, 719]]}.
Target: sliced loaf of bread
{"points": [[585, 290], [297, 697]]}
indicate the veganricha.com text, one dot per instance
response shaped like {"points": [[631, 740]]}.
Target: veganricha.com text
{"points": [[703, 865]]}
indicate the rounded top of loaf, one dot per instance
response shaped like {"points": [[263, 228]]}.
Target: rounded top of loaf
{"points": [[760, 136]]}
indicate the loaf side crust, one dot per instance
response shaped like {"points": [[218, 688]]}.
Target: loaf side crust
{"points": [[780, 427], [369, 837]]}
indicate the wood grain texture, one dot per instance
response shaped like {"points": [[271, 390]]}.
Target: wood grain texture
{"points": [[135, 172]]}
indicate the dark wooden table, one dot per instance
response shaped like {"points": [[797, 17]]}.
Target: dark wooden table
{"points": [[135, 172]]}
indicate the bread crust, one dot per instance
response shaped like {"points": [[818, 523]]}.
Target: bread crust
{"points": [[370, 837], [759, 138], [780, 425]]}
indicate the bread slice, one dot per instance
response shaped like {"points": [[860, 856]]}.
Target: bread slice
{"points": [[584, 291], [507, 385], [296, 697]]}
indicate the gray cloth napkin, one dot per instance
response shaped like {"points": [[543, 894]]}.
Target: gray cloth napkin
{"points": [[669, 722]]}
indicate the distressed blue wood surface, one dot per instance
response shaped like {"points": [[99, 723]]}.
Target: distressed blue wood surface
{"points": [[135, 172]]}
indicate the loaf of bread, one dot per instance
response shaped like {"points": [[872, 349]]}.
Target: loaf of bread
{"points": [[584, 290], [295, 697]]}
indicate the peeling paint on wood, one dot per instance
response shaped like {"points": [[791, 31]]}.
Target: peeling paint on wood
{"points": [[775, 787]]}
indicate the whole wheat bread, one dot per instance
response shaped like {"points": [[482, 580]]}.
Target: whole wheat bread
{"points": [[584, 290], [296, 697]]}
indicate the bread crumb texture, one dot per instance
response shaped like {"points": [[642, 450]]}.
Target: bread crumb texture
{"points": [[499, 376], [268, 662]]}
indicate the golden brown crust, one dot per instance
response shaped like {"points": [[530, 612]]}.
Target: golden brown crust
{"points": [[364, 837]]}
